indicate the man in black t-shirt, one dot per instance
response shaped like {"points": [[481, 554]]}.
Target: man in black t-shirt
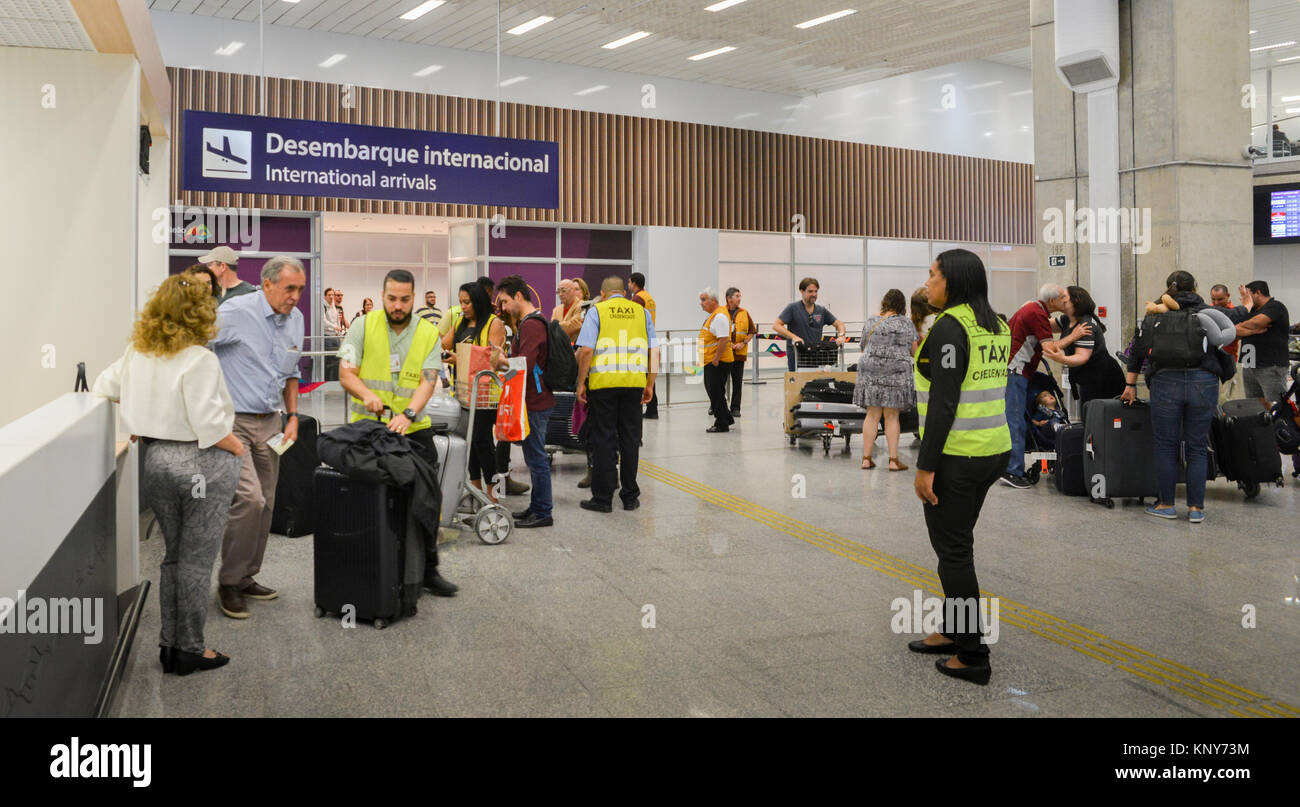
{"points": [[1263, 333]]}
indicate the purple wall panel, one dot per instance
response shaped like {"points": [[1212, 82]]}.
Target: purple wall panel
{"points": [[605, 244], [594, 275], [540, 277], [524, 242]]}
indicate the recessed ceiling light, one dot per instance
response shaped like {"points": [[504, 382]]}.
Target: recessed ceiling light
{"points": [[428, 71], [229, 49], [1289, 59], [985, 84], [535, 22], [1022, 92], [618, 43], [796, 106], [1252, 33], [810, 23], [744, 115], [1287, 98], [422, 9], [710, 53], [590, 90], [723, 4], [514, 80], [988, 134], [333, 60], [1271, 47]]}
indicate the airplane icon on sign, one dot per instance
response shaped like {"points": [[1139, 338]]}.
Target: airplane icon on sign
{"points": [[225, 152]]}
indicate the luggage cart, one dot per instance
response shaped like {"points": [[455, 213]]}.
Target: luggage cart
{"points": [[826, 421], [816, 355], [491, 522]]}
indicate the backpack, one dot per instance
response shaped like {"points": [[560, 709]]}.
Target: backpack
{"points": [[1178, 339], [561, 371]]}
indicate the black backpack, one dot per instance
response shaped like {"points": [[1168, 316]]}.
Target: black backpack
{"points": [[1178, 339], [561, 371]]}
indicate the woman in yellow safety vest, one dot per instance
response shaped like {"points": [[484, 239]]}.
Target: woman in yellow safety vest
{"points": [[961, 379], [475, 323]]}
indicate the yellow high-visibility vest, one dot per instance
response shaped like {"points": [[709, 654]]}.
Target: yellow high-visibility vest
{"points": [[622, 353], [377, 375], [741, 327], [710, 343], [980, 427]]}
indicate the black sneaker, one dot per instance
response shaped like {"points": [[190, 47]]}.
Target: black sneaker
{"points": [[735, 413], [1017, 482]]}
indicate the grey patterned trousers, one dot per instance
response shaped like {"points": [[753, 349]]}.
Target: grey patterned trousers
{"points": [[189, 491]]}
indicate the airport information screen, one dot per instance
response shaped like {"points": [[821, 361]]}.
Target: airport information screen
{"points": [[1284, 216]]}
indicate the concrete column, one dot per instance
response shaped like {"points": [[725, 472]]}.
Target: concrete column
{"points": [[1182, 127]]}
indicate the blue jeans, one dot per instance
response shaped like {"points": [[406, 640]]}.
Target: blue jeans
{"points": [[1017, 390], [1183, 403], [538, 462]]}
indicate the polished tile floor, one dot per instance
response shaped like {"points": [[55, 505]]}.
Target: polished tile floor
{"points": [[757, 579]]}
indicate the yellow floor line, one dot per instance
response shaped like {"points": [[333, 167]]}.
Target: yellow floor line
{"points": [[1169, 674]]}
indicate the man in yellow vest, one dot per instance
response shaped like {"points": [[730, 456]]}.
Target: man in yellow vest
{"points": [[716, 357], [618, 357], [636, 285], [743, 329], [389, 365]]}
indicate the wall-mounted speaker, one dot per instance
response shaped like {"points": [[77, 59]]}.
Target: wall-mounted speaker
{"points": [[146, 142]]}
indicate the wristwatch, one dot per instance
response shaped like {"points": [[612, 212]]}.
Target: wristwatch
{"points": [[409, 414], [291, 414]]}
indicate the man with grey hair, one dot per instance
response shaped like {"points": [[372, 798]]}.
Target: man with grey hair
{"points": [[716, 357], [1031, 329], [259, 345]]}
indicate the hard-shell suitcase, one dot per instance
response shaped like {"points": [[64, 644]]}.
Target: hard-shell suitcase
{"points": [[814, 415], [294, 514], [446, 414], [559, 427], [1119, 451], [358, 554], [451, 449], [1069, 461], [1244, 436]]}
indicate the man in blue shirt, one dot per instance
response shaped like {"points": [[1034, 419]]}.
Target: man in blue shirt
{"points": [[259, 342], [802, 321]]}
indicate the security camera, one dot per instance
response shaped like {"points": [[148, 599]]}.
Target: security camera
{"points": [[1253, 152]]}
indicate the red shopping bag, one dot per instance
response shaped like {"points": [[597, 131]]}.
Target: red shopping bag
{"points": [[470, 359], [512, 411]]}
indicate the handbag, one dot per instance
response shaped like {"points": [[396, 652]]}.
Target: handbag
{"points": [[512, 411], [470, 360], [1226, 365]]}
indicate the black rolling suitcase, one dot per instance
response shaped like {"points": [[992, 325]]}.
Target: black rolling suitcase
{"points": [[358, 555], [294, 513], [1119, 451], [559, 427], [1246, 445], [1069, 461], [827, 390]]}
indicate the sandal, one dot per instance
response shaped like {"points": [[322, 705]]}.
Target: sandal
{"points": [[895, 461], [868, 463]]}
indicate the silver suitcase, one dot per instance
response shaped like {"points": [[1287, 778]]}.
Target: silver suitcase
{"points": [[836, 418], [445, 410]]}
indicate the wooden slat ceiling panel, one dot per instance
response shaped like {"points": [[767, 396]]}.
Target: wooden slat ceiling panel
{"points": [[617, 169]]}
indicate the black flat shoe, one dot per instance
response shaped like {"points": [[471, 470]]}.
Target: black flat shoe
{"points": [[522, 514], [976, 675], [919, 646], [595, 506], [534, 520], [168, 659], [439, 586], [716, 430], [187, 663], [631, 504]]}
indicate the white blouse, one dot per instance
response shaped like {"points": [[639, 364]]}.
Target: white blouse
{"points": [[182, 397]]}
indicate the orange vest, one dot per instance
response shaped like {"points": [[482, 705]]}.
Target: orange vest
{"points": [[709, 343], [741, 326]]}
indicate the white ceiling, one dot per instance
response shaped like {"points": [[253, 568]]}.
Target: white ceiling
{"points": [[884, 38], [1274, 21], [42, 24]]}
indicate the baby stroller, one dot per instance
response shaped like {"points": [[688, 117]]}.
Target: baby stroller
{"points": [[1040, 454]]}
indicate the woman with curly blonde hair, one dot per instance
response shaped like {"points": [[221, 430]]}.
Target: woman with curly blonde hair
{"points": [[173, 395]]}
